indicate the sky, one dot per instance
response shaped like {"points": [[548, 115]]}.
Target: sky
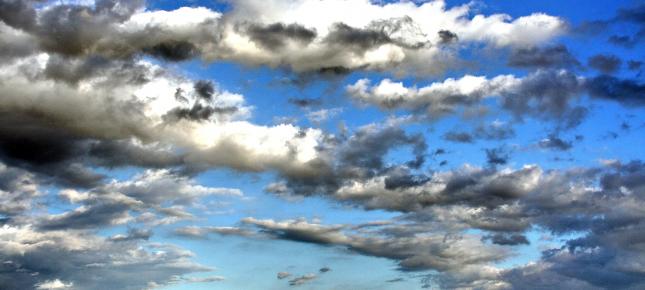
{"points": [[308, 144]]}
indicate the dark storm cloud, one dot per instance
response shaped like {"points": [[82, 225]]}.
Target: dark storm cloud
{"points": [[204, 89], [507, 239], [607, 64], [52, 153], [275, 36], [18, 13], [173, 50], [556, 56], [447, 36], [625, 91]]}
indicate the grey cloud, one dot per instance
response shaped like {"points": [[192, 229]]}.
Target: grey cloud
{"points": [[547, 95], [447, 36], [442, 252], [624, 91], [497, 156], [18, 13], [607, 64], [375, 34], [304, 102], [504, 203], [358, 157], [133, 234], [343, 34], [98, 215], [324, 270], [555, 142], [275, 36], [195, 232], [556, 56], [489, 131], [173, 50], [543, 94], [18, 189], [507, 239], [87, 261], [204, 89], [197, 112], [460, 137]]}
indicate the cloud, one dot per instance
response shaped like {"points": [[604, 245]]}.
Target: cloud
{"points": [[196, 232], [544, 94], [302, 279], [393, 37], [504, 204], [53, 259], [554, 142], [275, 36], [607, 64], [442, 253], [323, 114], [496, 130], [136, 113], [53, 284], [17, 190], [626, 91], [282, 275], [507, 239], [555, 56], [460, 137]]}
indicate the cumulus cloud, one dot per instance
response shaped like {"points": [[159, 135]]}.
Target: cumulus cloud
{"points": [[505, 203], [309, 36], [544, 94], [555, 56], [143, 116], [59, 259]]}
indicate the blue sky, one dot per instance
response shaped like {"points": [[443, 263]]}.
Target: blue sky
{"points": [[305, 144]]}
